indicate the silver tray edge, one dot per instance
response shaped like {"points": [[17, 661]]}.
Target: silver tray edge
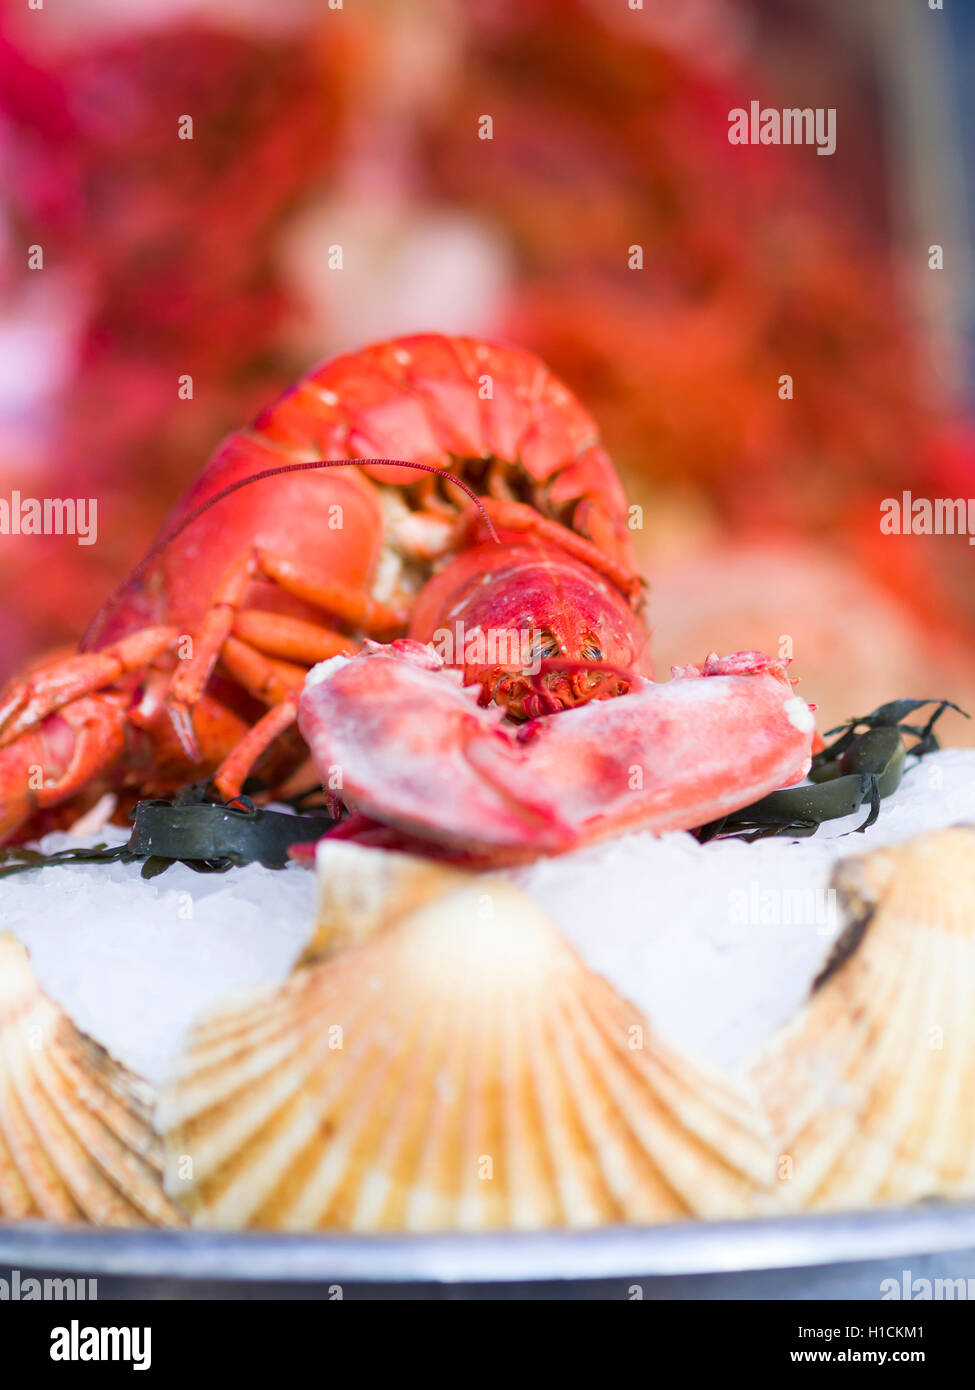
{"points": [[602, 1253]]}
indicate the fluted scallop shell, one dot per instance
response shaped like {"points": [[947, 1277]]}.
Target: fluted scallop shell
{"points": [[76, 1142], [362, 890], [461, 1069], [871, 1088]]}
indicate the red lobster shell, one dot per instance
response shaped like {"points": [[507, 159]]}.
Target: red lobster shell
{"points": [[195, 664]]}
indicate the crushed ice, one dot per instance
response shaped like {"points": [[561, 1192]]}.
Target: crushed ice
{"points": [[717, 943], [133, 961]]}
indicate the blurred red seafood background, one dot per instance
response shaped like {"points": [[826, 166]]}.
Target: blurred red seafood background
{"points": [[671, 277]]}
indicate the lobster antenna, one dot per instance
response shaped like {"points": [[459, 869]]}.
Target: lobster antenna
{"points": [[160, 545]]}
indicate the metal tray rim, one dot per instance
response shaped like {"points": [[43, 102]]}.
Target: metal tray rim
{"points": [[699, 1247]]}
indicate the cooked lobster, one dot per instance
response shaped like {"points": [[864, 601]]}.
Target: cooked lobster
{"points": [[440, 489]]}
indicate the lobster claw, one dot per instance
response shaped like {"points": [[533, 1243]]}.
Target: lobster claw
{"points": [[58, 758], [396, 738], [394, 735]]}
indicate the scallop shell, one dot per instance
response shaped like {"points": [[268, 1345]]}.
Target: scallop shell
{"points": [[459, 1070], [871, 1088], [361, 890], [76, 1142]]}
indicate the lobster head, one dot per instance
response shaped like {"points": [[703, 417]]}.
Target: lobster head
{"points": [[538, 629]]}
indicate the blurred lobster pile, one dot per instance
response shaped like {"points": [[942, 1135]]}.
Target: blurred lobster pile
{"points": [[160, 252], [169, 257]]}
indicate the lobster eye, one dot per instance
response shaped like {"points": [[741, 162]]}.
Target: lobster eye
{"points": [[590, 651], [546, 644]]}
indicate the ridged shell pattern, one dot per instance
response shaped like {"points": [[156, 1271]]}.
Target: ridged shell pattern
{"points": [[871, 1088], [76, 1142], [462, 1070]]}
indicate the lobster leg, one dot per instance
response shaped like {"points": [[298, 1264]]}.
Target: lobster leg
{"points": [[264, 677], [58, 757], [292, 638], [225, 616], [277, 683], [351, 605], [233, 772], [49, 689], [415, 751], [191, 677]]}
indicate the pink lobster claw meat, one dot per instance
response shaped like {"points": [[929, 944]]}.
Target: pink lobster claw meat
{"points": [[397, 738]]}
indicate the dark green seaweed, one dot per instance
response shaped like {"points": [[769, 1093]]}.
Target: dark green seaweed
{"points": [[863, 764], [206, 836]]}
